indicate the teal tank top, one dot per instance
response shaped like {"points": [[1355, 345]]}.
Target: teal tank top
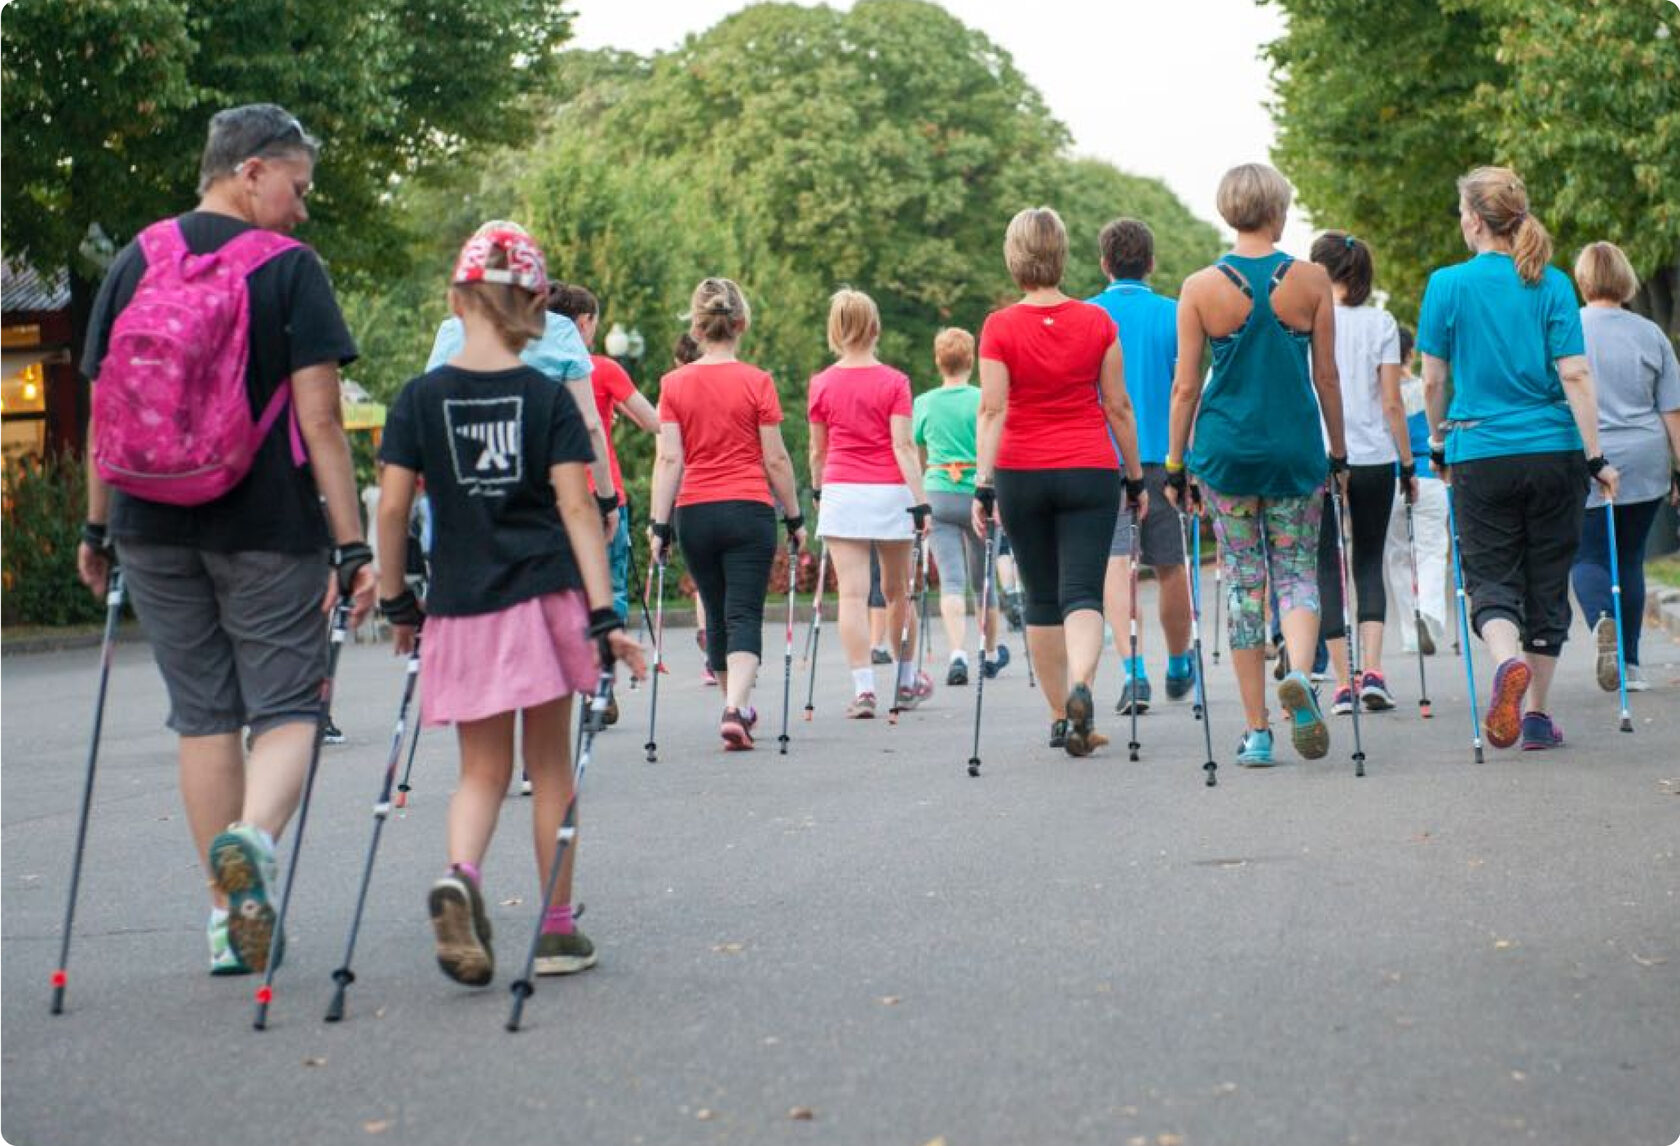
{"points": [[1258, 432]]}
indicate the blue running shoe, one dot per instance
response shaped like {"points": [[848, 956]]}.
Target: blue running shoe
{"points": [[1308, 733], [1254, 750], [1135, 692], [1540, 732], [996, 663]]}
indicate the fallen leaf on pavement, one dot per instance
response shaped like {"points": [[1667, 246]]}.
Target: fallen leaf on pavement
{"points": [[703, 1114], [514, 902], [802, 1114], [1169, 1140], [730, 948], [890, 1000], [1502, 944], [315, 1060], [1653, 961], [377, 1125]]}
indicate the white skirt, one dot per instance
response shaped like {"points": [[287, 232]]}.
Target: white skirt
{"points": [[865, 512]]}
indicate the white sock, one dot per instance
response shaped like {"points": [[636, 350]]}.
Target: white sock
{"points": [[958, 655], [863, 680], [907, 674]]}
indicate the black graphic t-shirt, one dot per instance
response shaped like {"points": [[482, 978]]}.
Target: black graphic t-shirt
{"points": [[485, 442]]}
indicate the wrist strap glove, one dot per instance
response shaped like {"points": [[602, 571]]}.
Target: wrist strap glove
{"points": [[604, 621], [919, 515], [1595, 466], [1408, 472], [403, 609], [663, 531], [606, 503], [1179, 482], [987, 497], [1338, 464], [96, 536], [347, 561], [1134, 493], [794, 524]]}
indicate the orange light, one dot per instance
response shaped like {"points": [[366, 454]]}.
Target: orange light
{"points": [[31, 391]]}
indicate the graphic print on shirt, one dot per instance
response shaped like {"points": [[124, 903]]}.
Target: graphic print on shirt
{"points": [[485, 435]]}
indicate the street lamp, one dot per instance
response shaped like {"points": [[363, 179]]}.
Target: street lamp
{"points": [[618, 342]]}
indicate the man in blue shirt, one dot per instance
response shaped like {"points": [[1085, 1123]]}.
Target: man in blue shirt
{"points": [[1149, 344]]}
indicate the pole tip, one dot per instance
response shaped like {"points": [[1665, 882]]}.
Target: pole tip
{"points": [[974, 767], [1627, 724]]}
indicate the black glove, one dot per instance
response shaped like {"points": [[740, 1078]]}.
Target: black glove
{"points": [[96, 537], [1134, 493], [663, 531], [347, 561], [1438, 457], [1179, 482], [816, 495], [606, 503], [919, 515], [1408, 472], [403, 609], [794, 524], [604, 621], [987, 497], [1338, 464]]}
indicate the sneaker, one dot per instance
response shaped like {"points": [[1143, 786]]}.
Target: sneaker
{"points": [[1280, 667], [1425, 639], [1254, 750], [1503, 722], [610, 716], [736, 731], [880, 656], [1540, 732], [1178, 687], [998, 661], [700, 638], [1308, 731], [524, 783], [1013, 613], [1342, 703], [1636, 681], [1373, 690], [1134, 692], [862, 707], [242, 868], [330, 734], [911, 695], [1058, 733], [707, 677], [462, 929], [957, 673], [1604, 633], [224, 960], [1080, 713], [564, 954], [1321, 664]]}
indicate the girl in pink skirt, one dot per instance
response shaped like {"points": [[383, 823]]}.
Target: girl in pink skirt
{"points": [[520, 603]]}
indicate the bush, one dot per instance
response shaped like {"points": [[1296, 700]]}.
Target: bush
{"points": [[45, 502]]}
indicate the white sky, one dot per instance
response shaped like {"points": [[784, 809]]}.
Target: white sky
{"points": [[1174, 89]]}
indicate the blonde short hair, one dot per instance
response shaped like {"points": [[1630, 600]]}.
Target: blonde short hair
{"points": [[1602, 271], [953, 351], [1254, 197], [854, 322], [1035, 248]]}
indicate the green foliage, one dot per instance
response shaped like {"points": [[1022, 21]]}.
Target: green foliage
{"points": [[1381, 107], [45, 503]]}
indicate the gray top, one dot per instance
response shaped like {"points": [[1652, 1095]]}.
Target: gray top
{"points": [[1634, 368]]}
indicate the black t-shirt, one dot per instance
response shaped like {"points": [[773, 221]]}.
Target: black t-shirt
{"points": [[485, 442], [295, 322]]}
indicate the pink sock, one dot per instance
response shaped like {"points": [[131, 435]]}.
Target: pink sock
{"points": [[557, 920], [471, 869]]}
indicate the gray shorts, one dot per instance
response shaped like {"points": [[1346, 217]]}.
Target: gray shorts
{"points": [[239, 637], [958, 553], [1159, 539]]}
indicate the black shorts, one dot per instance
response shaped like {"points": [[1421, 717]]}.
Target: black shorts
{"points": [[1060, 523], [729, 547]]}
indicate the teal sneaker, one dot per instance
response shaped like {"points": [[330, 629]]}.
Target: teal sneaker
{"points": [[242, 867], [223, 959], [564, 954], [1254, 750], [1308, 733]]}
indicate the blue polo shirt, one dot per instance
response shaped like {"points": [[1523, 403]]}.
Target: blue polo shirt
{"points": [[1503, 338], [1149, 343]]}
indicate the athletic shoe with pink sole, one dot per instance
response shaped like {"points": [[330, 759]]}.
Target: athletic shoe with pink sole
{"points": [[1503, 723], [1540, 732], [736, 729]]}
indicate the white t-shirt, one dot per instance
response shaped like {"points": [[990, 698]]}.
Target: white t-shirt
{"points": [[1367, 337]]}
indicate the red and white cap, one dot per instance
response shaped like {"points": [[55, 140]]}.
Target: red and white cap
{"points": [[524, 259]]}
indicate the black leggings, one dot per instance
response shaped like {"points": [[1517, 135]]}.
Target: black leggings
{"points": [[1370, 503], [729, 546], [1060, 523]]}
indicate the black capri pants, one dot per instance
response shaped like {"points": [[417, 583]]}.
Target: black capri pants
{"points": [[1519, 525], [1370, 502], [729, 546], [1060, 523]]}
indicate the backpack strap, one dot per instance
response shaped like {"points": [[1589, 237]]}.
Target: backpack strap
{"points": [[248, 250], [163, 244]]}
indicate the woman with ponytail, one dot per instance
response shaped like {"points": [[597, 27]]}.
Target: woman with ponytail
{"points": [[1519, 429]]}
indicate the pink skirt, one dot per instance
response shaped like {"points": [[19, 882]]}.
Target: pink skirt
{"points": [[519, 657]]}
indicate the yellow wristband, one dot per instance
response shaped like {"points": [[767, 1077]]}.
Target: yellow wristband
{"points": [[1174, 467]]}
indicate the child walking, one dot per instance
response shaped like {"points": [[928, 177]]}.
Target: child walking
{"points": [[520, 596]]}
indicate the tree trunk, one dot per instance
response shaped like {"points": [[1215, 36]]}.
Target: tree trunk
{"points": [[1659, 300]]}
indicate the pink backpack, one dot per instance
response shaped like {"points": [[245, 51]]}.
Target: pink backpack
{"points": [[172, 414]]}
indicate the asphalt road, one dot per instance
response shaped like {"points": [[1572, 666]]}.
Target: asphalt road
{"points": [[858, 943]]}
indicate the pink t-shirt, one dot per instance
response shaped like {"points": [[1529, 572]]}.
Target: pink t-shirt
{"points": [[857, 404]]}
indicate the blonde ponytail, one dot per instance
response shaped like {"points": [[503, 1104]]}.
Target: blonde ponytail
{"points": [[1531, 249]]}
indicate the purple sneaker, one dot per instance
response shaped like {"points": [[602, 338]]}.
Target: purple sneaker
{"points": [[1540, 732]]}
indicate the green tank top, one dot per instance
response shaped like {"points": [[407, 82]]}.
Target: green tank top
{"points": [[1258, 432]]}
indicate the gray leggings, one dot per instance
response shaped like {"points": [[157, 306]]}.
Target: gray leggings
{"points": [[959, 554]]}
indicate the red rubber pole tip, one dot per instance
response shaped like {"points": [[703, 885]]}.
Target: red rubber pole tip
{"points": [[402, 799], [265, 994], [60, 977]]}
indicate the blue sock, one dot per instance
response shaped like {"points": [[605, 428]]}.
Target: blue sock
{"points": [[1135, 669], [1178, 665]]}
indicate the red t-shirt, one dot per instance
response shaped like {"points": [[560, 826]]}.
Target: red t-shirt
{"points": [[719, 408], [1054, 355], [857, 404], [612, 386]]}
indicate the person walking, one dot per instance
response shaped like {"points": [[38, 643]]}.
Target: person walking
{"points": [[1374, 423], [721, 457], [520, 602], [1522, 441], [1258, 454], [229, 590], [1429, 528], [943, 425], [1149, 344], [864, 462], [1633, 365], [1053, 407]]}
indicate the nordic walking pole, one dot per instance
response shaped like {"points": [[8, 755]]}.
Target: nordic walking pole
{"points": [[917, 515], [1417, 616], [1464, 626], [1616, 600], [814, 633], [1132, 663], [1191, 584], [591, 722], [922, 640], [403, 787], [1348, 627], [344, 976], [113, 613], [647, 585], [1194, 581], [335, 645], [1218, 592], [658, 571], [787, 658], [989, 571]]}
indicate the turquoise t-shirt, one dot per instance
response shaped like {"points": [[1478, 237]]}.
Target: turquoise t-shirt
{"points": [[1503, 338], [944, 421], [559, 353], [1149, 344]]}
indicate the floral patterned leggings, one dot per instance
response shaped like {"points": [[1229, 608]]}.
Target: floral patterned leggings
{"points": [[1258, 536]]}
